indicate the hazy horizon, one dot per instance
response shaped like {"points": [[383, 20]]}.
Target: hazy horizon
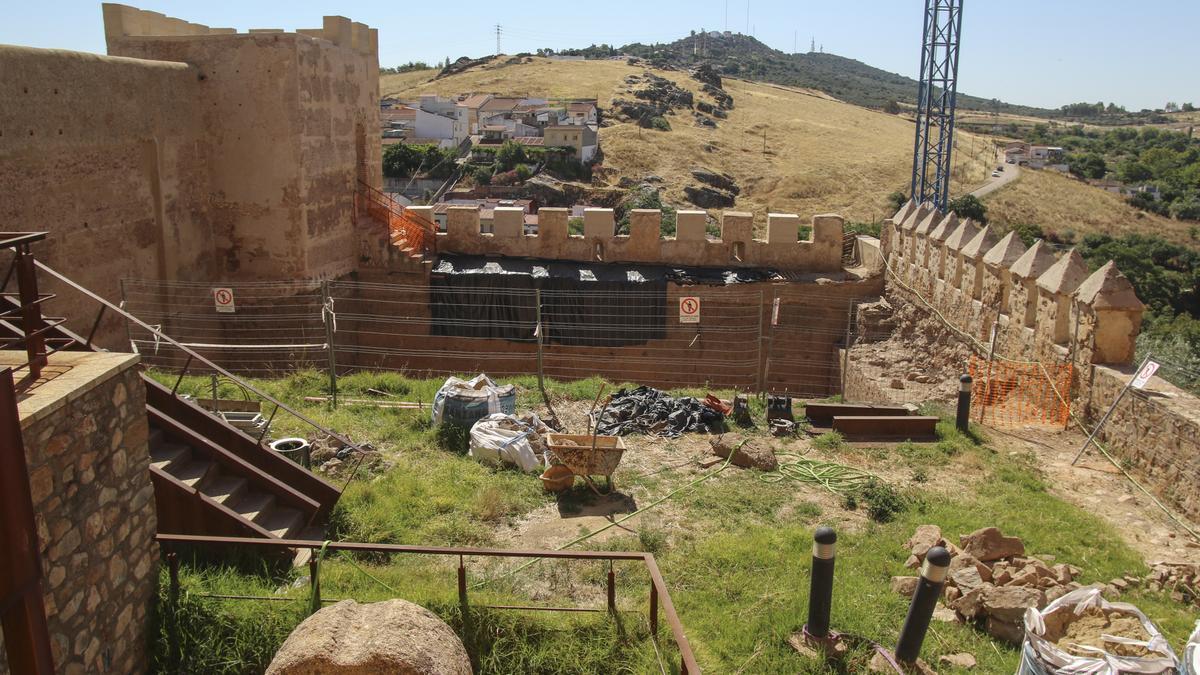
{"points": [[1022, 51]]}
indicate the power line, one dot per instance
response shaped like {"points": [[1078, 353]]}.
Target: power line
{"points": [[498, 52]]}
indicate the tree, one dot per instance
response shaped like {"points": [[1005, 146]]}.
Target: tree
{"points": [[969, 206], [1188, 107], [1171, 106], [510, 154], [1087, 165], [1132, 171], [523, 172]]}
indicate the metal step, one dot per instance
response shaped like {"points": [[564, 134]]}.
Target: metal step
{"points": [[169, 456], [282, 521], [195, 473], [254, 506], [226, 489]]}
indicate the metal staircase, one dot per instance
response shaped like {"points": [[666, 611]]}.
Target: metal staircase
{"points": [[414, 235]]}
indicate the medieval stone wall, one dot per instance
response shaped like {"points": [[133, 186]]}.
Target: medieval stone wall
{"points": [[85, 437], [205, 155], [735, 247]]}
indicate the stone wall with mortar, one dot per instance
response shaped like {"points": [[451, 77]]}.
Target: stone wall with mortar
{"points": [[190, 153], [85, 437], [735, 247], [1049, 307], [1044, 307]]}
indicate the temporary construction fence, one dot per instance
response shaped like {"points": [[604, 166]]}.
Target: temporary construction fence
{"points": [[775, 337], [1008, 393]]}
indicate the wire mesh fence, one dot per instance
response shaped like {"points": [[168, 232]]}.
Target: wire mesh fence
{"points": [[753, 337]]}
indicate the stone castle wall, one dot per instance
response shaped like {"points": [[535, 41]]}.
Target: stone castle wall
{"points": [[85, 438], [736, 246], [190, 153]]}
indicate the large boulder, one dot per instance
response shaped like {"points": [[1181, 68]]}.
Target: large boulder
{"points": [[989, 544], [748, 455], [393, 636], [721, 181], [708, 197]]}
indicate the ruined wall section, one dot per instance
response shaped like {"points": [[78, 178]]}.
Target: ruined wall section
{"points": [[85, 438], [735, 247], [105, 153]]}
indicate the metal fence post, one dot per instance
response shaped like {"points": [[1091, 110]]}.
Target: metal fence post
{"points": [[653, 610], [327, 318]]}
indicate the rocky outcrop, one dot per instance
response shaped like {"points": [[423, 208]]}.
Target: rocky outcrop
{"points": [[722, 97], [708, 197], [706, 74], [393, 636], [721, 181]]}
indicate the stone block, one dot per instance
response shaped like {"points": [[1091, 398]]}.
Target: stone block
{"points": [[737, 226], [645, 228], [783, 228], [828, 228], [462, 222], [690, 225], [598, 223], [508, 222], [552, 223]]}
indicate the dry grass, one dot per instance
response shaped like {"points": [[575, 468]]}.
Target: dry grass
{"points": [[1060, 204], [821, 156]]}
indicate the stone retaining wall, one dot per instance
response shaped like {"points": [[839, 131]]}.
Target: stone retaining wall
{"points": [[85, 439]]}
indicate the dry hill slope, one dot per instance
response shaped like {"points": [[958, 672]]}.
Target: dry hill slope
{"points": [[821, 156], [1063, 206]]}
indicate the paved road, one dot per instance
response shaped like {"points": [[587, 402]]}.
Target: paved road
{"points": [[1008, 175]]}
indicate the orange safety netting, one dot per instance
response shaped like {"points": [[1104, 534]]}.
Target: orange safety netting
{"points": [[1004, 393]]}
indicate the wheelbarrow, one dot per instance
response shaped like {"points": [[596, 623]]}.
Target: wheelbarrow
{"points": [[586, 455]]}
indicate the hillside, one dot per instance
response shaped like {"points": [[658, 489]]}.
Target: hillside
{"points": [[822, 155], [846, 79], [1063, 206]]}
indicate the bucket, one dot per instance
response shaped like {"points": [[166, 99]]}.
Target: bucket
{"points": [[466, 407], [295, 449]]}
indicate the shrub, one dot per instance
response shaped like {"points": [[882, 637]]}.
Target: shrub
{"points": [[483, 175], [883, 502], [830, 440], [969, 206], [660, 123], [524, 173]]}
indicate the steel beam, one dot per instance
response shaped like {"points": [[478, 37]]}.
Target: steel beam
{"points": [[936, 102]]}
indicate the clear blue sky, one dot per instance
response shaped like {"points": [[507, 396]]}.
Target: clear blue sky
{"points": [[1035, 52]]}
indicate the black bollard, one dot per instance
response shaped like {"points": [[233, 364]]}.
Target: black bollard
{"points": [[929, 589], [820, 592], [963, 416]]}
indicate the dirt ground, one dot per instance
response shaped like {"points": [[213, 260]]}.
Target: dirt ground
{"points": [[1098, 487]]}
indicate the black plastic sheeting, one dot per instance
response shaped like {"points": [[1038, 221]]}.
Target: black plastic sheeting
{"points": [[599, 305], [647, 410]]}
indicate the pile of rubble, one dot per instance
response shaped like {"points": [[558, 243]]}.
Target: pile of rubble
{"points": [[991, 580], [646, 410], [1181, 580]]}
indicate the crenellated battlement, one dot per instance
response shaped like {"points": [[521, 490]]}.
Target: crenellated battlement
{"points": [[122, 22], [736, 246], [1044, 307]]}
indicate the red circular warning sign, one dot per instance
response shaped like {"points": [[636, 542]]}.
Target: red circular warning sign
{"points": [[689, 305], [222, 296]]}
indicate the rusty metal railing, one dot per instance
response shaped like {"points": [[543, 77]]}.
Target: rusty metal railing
{"points": [[22, 610], [660, 598], [32, 331], [407, 230]]}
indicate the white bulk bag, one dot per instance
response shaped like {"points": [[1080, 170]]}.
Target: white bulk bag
{"points": [[500, 438], [1040, 655]]}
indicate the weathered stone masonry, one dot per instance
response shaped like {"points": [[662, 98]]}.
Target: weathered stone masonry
{"points": [[85, 438]]}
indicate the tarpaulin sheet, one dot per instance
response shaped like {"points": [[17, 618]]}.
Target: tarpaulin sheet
{"points": [[582, 305]]}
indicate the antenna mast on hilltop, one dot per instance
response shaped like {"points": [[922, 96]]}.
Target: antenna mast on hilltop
{"points": [[498, 52], [936, 102]]}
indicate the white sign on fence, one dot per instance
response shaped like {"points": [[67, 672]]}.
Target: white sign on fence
{"points": [[689, 309], [223, 300], [1144, 375], [775, 313]]}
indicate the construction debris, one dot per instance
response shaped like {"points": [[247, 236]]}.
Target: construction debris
{"points": [[647, 410], [747, 454], [990, 580], [1181, 580]]}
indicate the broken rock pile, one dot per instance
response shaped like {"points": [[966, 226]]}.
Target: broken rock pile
{"points": [[991, 580], [1181, 580]]}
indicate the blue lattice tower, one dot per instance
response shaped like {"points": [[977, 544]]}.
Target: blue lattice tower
{"points": [[936, 102]]}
